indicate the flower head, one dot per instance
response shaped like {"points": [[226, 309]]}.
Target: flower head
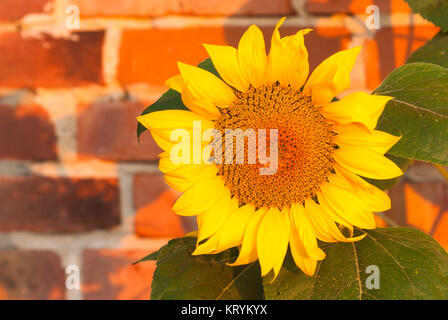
{"points": [[322, 149]]}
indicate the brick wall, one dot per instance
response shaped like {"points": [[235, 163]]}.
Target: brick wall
{"points": [[76, 188]]}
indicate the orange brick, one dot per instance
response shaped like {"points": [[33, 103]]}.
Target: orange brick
{"points": [[107, 130], [31, 275], [380, 223], [49, 61], [153, 200], [59, 205], [356, 6], [11, 10], [108, 274], [423, 205], [29, 131], [441, 231], [144, 8], [150, 55], [390, 48]]}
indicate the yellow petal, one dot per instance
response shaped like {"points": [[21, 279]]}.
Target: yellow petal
{"points": [[200, 196], [324, 226], [288, 59], [298, 70], [331, 77], [306, 264], [203, 91], [272, 239], [347, 205], [358, 107], [163, 124], [206, 248], [232, 232], [252, 56], [225, 60], [323, 204], [275, 63], [374, 198], [357, 135], [200, 106], [366, 163], [215, 216], [176, 83], [185, 176], [166, 165], [248, 252], [191, 234], [173, 119], [305, 232]]}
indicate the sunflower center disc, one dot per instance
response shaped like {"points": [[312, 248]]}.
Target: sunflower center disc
{"points": [[305, 146]]}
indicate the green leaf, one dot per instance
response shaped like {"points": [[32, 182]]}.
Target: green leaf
{"points": [[419, 111], [169, 100], [387, 184], [411, 266], [434, 51], [435, 11], [172, 100], [150, 257], [207, 64], [179, 275]]}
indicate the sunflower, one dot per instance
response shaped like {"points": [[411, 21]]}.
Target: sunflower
{"points": [[325, 147]]}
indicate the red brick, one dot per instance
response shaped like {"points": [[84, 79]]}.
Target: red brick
{"points": [[356, 6], [44, 204], [31, 275], [144, 8], [153, 200], [108, 131], [423, 205], [11, 10], [109, 274], [390, 49], [150, 55], [49, 61], [28, 133]]}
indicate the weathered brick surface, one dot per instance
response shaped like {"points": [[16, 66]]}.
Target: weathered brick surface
{"points": [[31, 274], [390, 48], [11, 10], [150, 55], [144, 8], [423, 205], [27, 133], [58, 204], [153, 200], [355, 6], [108, 131], [109, 274], [52, 62]]}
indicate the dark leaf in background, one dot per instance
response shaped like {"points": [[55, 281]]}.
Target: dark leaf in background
{"points": [[435, 11], [411, 265], [434, 51], [180, 275], [419, 111]]}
